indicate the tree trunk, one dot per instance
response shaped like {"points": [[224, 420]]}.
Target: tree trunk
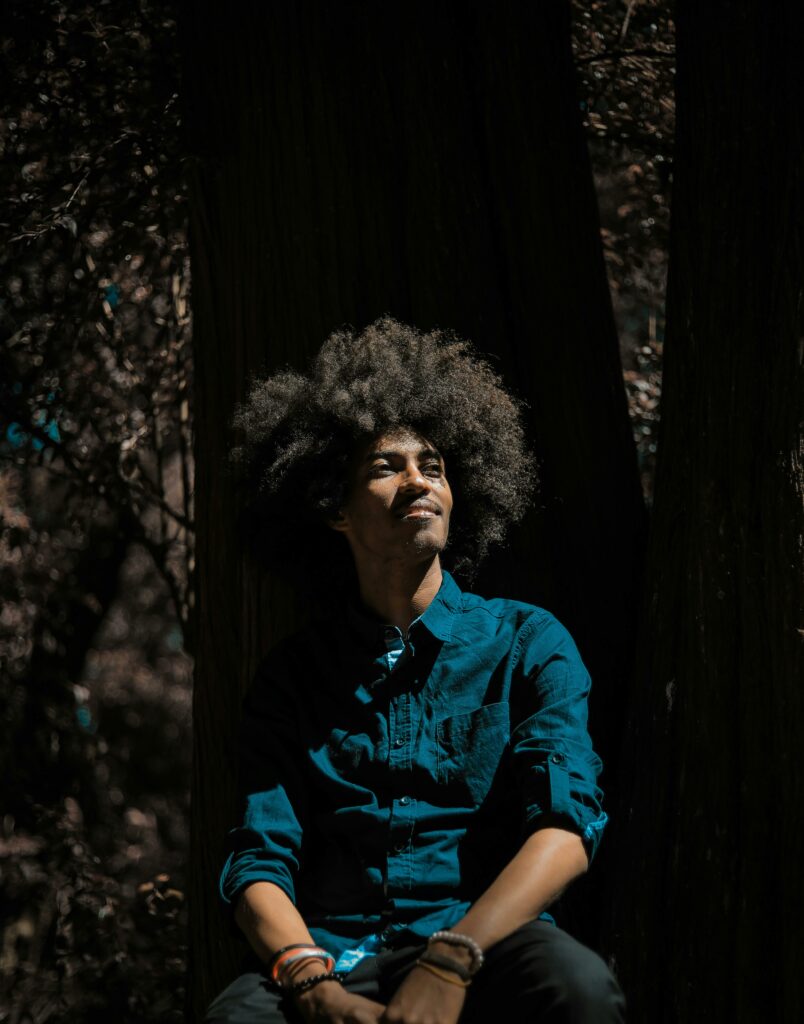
{"points": [[427, 161], [709, 925]]}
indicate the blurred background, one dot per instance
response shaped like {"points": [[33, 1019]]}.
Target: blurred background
{"points": [[96, 471]]}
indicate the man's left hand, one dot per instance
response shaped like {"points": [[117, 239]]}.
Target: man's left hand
{"points": [[423, 998]]}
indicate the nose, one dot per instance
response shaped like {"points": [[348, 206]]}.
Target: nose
{"points": [[414, 479]]}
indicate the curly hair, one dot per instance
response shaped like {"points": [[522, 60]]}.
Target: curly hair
{"points": [[299, 433]]}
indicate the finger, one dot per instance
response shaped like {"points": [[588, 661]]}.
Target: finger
{"points": [[366, 1015]]}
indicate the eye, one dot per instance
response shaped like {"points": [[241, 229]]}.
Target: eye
{"points": [[432, 469]]}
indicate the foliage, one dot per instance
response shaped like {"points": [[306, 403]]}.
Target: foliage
{"points": [[93, 880], [95, 480], [95, 311]]}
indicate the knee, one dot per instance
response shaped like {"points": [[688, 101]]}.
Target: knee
{"points": [[586, 992], [224, 1011], [244, 1001]]}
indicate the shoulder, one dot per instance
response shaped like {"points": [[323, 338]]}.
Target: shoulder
{"points": [[536, 635], [498, 615]]}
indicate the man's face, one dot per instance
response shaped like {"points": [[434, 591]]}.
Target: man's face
{"points": [[399, 502]]}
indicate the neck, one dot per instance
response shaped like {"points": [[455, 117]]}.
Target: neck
{"points": [[398, 594]]}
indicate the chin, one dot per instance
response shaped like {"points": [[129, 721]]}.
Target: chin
{"points": [[427, 545]]}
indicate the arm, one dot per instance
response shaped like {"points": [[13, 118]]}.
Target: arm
{"points": [[258, 881], [270, 921], [556, 772], [544, 866]]}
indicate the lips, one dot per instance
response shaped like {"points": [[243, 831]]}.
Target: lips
{"points": [[419, 510]]}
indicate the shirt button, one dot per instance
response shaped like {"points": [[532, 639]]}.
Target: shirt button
{"points": [[404, 799], [399, 743]]}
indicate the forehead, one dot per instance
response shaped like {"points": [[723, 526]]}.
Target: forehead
{"points": [[402, 440]]}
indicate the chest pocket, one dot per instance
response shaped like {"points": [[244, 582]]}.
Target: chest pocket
{"points": [[469, 748]]}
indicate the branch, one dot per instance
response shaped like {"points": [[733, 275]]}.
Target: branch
{"points": [[616, 55], [631, 5]]}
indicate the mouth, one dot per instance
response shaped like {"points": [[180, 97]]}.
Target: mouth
{"points": [[423, 510]]}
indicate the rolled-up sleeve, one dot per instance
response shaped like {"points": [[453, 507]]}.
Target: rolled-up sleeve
{"points": [[266, 846], [554, 763]]}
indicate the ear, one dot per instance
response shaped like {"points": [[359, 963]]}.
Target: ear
{"points": [[338, 522]]}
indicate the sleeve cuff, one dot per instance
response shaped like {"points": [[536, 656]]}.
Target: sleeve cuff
{"points": [[240, 870]]}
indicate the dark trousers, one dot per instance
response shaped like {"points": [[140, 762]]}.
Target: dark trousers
{"points": [[537, 974]]}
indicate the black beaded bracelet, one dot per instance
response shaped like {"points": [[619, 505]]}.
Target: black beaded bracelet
{"points": [[306, 983]]}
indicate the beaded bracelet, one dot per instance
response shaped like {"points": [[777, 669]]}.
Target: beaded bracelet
{"points": [[461, 940], [307, 983]]}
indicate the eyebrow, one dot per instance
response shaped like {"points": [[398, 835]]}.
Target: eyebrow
{"points": [[425, 453]]}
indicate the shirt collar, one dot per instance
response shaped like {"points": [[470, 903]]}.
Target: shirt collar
{"points": [[437, 617], [440, 613]]}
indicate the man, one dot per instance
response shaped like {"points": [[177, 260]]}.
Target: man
{"points": [[417, 780]]}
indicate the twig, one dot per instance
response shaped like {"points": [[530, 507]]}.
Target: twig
{"points": [[626, 21], [615, 55]]}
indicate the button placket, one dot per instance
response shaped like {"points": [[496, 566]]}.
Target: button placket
{"points": [[392, 730], [399, 857], [405, 731], [399, 757], [399, 851]]}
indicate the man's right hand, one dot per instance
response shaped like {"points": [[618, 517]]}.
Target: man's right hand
{"points": [[330, 1003]]}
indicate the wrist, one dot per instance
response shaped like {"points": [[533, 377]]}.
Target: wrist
{"points": [[319, 992], [307, 969], [319, 995], [457, 941], [459, 953]]}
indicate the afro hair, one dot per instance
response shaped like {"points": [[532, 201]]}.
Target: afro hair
{"points": [[299, 432]]}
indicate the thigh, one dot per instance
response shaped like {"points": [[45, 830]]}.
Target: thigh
{"points": [[249, 1000], [546, 975]]}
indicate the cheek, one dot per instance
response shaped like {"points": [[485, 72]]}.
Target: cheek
{"points": [[370, 506]]}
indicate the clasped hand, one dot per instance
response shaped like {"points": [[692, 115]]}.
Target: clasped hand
{"points": [[421, 998]]}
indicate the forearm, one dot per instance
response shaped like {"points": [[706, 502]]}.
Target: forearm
{"points": [[269, 919], [544, 866]]}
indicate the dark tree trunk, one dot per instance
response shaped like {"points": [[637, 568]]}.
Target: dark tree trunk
{"points": [[709, 888], [427, 161]]}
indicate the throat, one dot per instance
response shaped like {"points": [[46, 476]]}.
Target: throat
{"points": [[398, 598]]}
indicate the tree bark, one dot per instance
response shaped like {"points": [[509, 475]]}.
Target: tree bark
{"points": [[425, 161], [709, 925]]}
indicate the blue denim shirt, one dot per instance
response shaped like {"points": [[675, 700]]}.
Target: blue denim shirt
{"points": [[386, 780]]}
